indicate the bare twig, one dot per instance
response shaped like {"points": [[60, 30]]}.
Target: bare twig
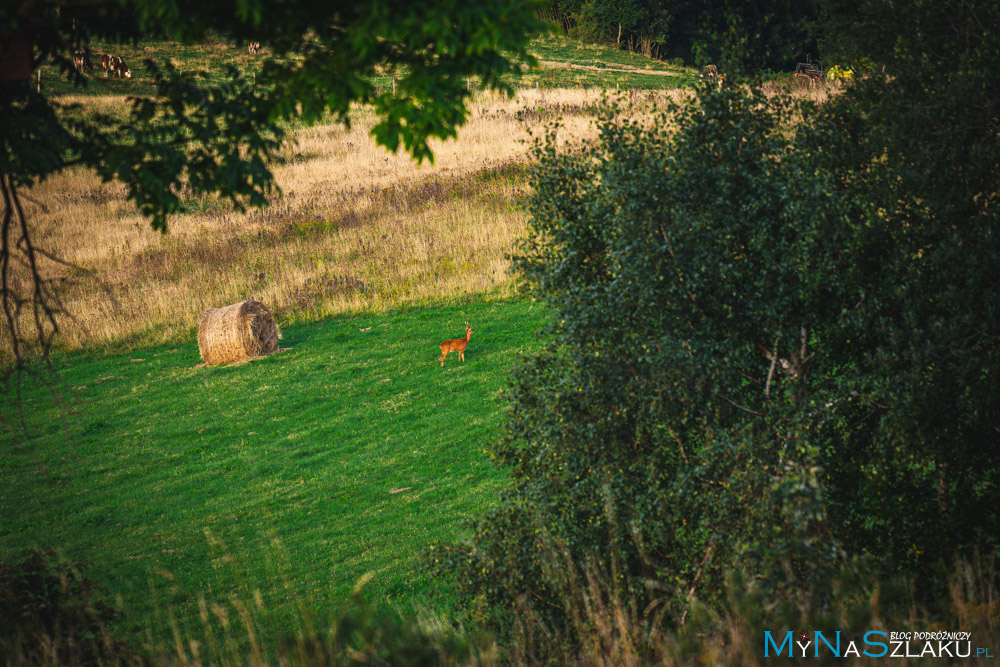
{"points": [[738, 406], [42, 301], [697, 578], [679, 444], [42, 310], [10, 305], [770, 371], [32, 200], [680, 276]]}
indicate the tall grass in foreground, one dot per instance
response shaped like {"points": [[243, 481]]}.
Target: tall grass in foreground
{"points": [[51, 616], [614, 631]]}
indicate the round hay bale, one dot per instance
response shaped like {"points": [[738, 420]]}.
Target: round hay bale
{"points": [[240, 331]]}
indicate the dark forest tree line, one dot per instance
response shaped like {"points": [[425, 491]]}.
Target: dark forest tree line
{"points": [[779, 33]]}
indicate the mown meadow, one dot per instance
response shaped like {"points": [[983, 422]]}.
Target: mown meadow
{"points": [[285, 479]]}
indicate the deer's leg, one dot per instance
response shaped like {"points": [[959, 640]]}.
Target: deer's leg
{"points": [[461, 356], [443, 355]]}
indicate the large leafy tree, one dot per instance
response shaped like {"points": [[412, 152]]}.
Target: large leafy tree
{"points": [[605, 21], [776, 341], [628, 20], [220, 138]]}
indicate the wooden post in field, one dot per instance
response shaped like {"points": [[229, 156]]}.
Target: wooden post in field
{"points": [[393, 83], [468, 83]]}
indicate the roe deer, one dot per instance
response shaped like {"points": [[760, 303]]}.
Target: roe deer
{"points": [[457, 344]]}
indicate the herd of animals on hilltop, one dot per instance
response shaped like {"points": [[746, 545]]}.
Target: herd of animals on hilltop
{"points": [[115, 65]]}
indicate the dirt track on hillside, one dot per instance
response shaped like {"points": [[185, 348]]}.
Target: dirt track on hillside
{"points": [[623, 68]]}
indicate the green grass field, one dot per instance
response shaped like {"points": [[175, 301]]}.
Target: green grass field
{"points": [[179, 483]]}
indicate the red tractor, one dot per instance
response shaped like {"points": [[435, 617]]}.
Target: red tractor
{"points": [[808, 74]]}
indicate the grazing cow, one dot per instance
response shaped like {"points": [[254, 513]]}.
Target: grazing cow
{"points": [[120, 68], [115, 65], [81, 60], [254, 48], [711, 73]]}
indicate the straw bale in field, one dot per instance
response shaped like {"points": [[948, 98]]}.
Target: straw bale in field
{"points": [[241, 331]]}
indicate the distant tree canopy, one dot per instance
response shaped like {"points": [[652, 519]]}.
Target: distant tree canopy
{"points": [[221, 138], [775, 345], [603, 21], [778, 33]]}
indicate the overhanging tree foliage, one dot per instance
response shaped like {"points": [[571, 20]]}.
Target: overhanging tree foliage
{"points": [[775, 340], [220, 138]]}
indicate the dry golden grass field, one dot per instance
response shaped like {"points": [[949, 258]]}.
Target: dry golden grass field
{"points": [[354, 228]]}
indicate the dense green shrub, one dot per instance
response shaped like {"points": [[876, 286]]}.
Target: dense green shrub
{"points": [[642, 431], [775, 340]]}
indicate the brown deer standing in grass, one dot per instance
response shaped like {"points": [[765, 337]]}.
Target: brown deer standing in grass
{"points": [[457, 345]]}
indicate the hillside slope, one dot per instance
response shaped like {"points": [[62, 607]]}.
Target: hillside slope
{"points": [[563, 63]]}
